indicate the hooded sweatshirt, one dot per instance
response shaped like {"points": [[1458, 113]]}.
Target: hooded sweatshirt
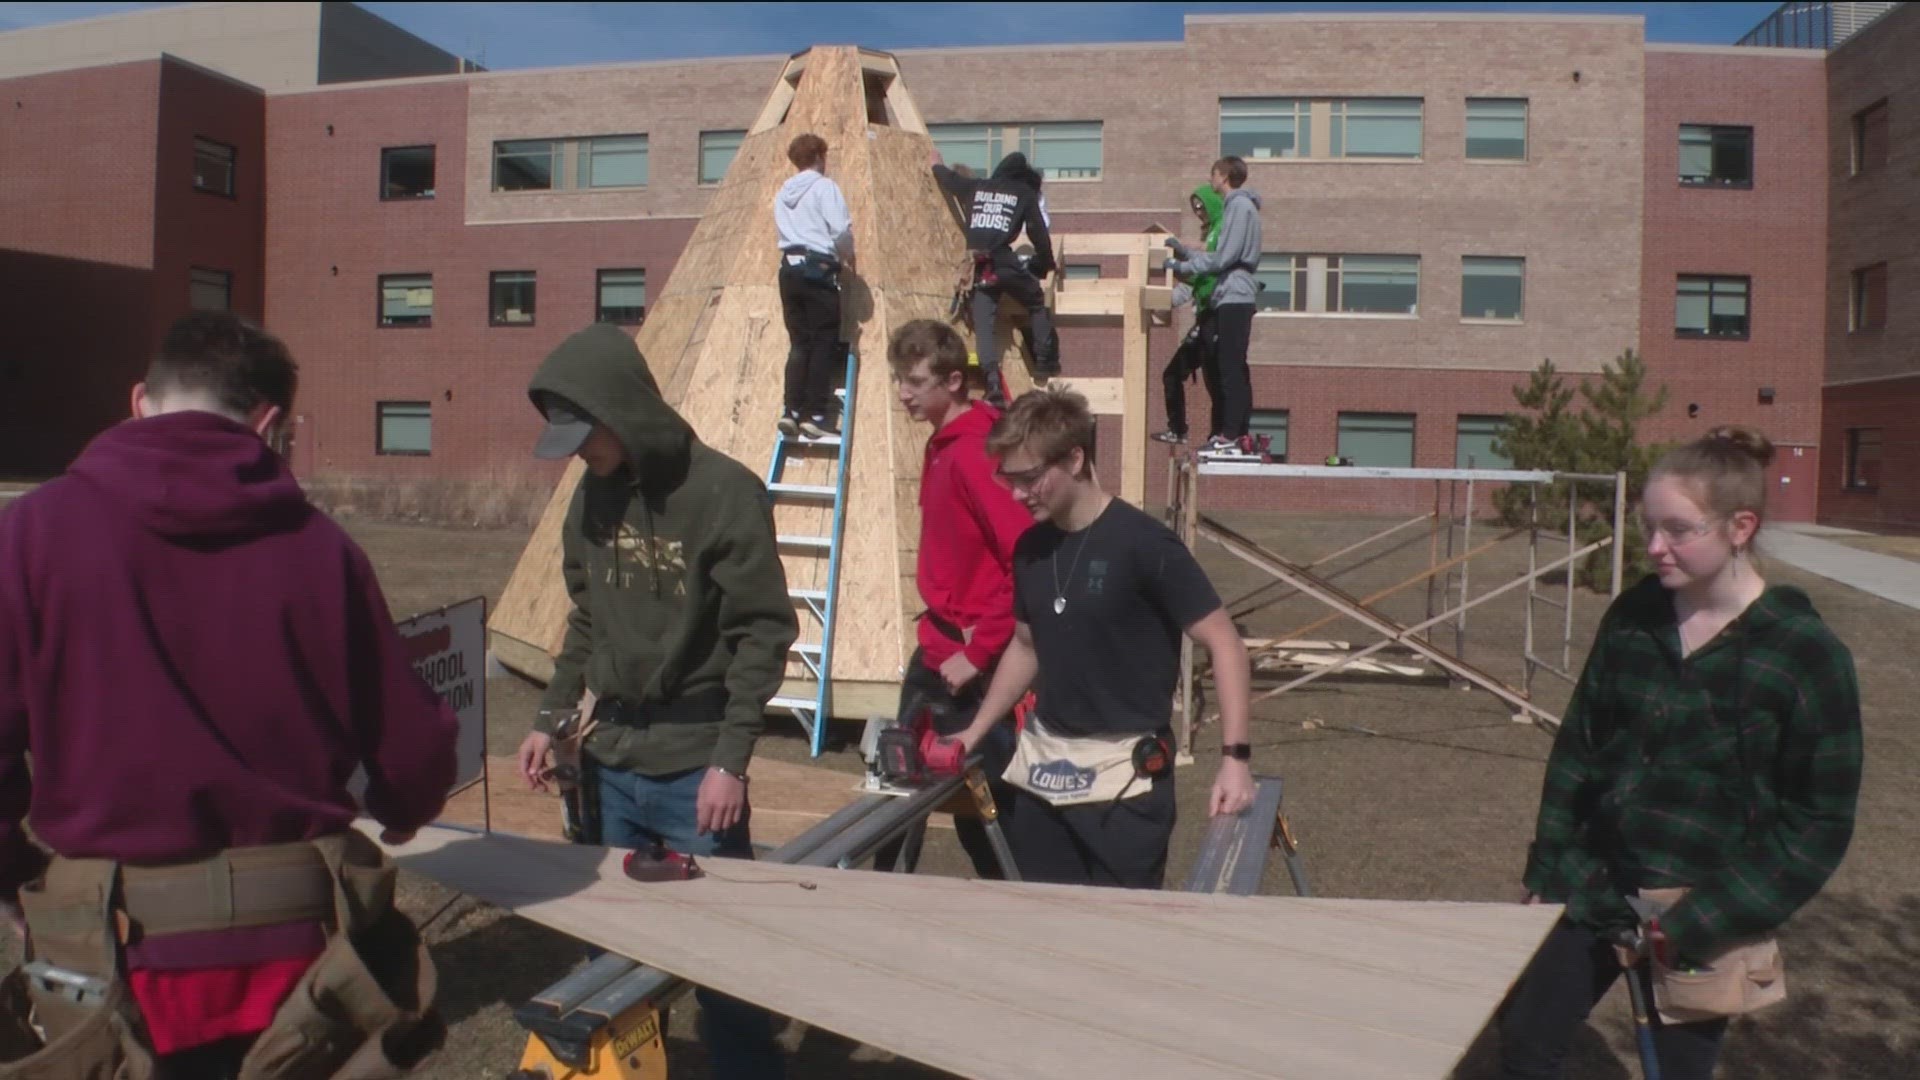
{"points": [[1734, 771], [998, 209], [811, 213], [968, 525], [197, 660], [680, 601], [1236, 256], [1200, 288]]}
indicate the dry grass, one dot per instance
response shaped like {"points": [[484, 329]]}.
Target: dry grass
{"points": [[505, 502]]}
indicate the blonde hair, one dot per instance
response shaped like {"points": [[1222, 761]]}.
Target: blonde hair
{"points": [[1726, 468], [1052, 423]]}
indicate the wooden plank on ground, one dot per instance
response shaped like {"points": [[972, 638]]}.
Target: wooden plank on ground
{"points": [[1069, 980]]}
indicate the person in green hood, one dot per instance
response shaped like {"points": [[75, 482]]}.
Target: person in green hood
{"points": [[680, 628], [1199, 350]]}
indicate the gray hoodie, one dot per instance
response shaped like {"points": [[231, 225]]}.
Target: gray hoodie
{"points": [[811, 213], [1237, 255]]}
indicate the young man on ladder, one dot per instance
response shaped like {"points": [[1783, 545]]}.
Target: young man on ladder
{"points": [[968, 527], [816, 243]]}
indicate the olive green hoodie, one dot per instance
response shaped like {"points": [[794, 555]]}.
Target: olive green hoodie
{"points": [[680, 603]]}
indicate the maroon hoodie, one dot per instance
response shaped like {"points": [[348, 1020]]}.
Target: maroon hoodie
{"points": [[197, 659]]}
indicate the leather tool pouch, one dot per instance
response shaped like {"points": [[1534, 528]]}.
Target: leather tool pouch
{"points": [[1743, 979]]}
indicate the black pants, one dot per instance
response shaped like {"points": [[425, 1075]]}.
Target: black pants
{"points": [[1568, 976], [1025, 288], [210, 1061], [812, 314], [1198, 352], [1234, 327], [1120, 843], [923, 688]]}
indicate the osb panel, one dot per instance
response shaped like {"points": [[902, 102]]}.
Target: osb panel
{"points": [[1201, 985], [716, 343]]}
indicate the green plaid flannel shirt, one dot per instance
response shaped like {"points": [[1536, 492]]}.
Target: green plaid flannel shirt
{"points": [[1734, 771]]}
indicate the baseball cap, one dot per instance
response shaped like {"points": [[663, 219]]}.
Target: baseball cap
{"points": [[567, 428]]}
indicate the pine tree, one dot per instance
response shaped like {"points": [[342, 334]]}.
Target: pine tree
{"points": [[1603, 437]]}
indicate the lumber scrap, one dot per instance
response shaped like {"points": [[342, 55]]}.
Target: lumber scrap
{"points": [[1068, 980]]}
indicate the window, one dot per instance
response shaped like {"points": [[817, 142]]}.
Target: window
{"points": [[1868, 310], [510, 298], [613, 161], [1711, 307], [1870, 132], [1716, 156], [1473, 441], [213, 167], [527, 165], [1491, 287], [1379, 284], [1863, 459], [1257, 128], [1284, 278], [403, 427], [1273, 424], [209, 290], [406, 299], [1061, 151], [406, 172], [1375, 128], [717, 149], [977, 146], [1381, 440], [1497, 129], [623, 296], [1080, 272]]}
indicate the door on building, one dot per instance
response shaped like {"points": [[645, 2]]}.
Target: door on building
{"points": [[1793, 483]]}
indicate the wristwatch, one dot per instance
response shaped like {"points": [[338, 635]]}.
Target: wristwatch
{"points": [[1238, 751]]}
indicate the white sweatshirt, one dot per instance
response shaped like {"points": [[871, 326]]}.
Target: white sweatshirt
{"points": [[810, 212]]}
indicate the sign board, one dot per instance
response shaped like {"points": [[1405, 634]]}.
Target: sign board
{"points": [[448, 648]]}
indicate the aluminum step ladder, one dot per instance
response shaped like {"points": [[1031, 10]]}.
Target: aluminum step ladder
{"points": [[814, 647]]}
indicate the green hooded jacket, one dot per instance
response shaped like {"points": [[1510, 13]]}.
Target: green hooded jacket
{"points": [[680, 604], [1202, 285]]}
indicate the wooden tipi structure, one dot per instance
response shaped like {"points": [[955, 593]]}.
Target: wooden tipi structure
{"points": [[717, 345]]}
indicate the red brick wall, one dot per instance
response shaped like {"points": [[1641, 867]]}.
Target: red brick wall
{"points": [[1890, 406], [199, 228], [330, 237], [1774, 232], [76, 247]]}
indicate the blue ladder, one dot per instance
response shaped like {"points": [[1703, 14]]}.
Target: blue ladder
{"points": [[816, 656]]}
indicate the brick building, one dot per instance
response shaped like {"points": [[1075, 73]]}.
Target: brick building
{"points": [[1447, 200]]}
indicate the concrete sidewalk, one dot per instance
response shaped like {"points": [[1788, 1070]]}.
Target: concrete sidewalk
{"points": [[1885, 576]]}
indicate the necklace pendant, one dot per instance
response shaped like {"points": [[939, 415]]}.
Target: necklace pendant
{"points": [[1059, 605]]}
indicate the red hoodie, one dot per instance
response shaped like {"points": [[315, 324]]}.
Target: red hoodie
{"points": [[196, 660], [968, 524]]}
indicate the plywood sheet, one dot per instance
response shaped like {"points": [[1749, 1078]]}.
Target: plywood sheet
{"points": [[1014, 981]]}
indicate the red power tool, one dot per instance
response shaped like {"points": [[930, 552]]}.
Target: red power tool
{"points": [[916, 754], [659, 864]]}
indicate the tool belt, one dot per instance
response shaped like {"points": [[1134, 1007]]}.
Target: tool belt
{"points": [[1740, 979], [363, 1010], [813, 267]]}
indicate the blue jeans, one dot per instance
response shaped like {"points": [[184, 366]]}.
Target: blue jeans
{"points": [[635, 811]]}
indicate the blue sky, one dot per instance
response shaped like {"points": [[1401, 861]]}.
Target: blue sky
{"points": [[505, 35]]}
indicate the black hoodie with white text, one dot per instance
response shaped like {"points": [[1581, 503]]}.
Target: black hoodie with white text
{"points": [[999, 208]]}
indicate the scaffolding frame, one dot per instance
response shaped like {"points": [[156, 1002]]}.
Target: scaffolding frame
{"points": [[1451, 551]]}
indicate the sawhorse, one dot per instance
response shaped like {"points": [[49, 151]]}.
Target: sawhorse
{"points": [[1233, 854], [605, 1020]]}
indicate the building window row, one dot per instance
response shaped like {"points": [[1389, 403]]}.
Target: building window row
{"points": [[1385, 440], [1065, 150], [1492, 287], [407, 299], [1372, 128]]}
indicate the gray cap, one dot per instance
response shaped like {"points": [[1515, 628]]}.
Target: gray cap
{"points": [[567, 429]]}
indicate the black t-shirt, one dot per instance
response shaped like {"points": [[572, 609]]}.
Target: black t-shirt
{"points": [[1110, 659]]}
